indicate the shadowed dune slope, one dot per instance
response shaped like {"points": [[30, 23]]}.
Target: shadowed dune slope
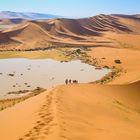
{"points": [[29, 31], [3, 37], [6, 40], [11, 21]]}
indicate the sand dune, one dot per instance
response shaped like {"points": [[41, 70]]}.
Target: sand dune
{"points": [[5, 41], [11, 21], [130, 64], [3, 37], [93, 31], [83, 111], [80, 111]]}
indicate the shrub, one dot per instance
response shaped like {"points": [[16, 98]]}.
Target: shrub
{"points": [[117, 61]]}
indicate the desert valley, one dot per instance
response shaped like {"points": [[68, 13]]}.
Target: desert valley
{"points": [[36, 57]]}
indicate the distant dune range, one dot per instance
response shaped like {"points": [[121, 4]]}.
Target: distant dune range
{"points": [[101, 30], [26, 15]]}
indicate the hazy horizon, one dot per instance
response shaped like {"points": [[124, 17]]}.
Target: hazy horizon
{"points": [[75, 17], [78, 8]]}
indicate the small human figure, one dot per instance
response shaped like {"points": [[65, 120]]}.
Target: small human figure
{"points": [[66, 81], [70, 81], [75, 81]]}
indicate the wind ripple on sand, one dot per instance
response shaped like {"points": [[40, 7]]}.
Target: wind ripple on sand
{"points": [[88, 111]]}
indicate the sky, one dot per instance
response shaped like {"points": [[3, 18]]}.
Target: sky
{"points": [[73, 8]]}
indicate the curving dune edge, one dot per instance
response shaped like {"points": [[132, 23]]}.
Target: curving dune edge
{"points": [[83, 111]]}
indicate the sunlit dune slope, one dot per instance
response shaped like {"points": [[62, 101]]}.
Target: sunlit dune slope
{"points": [[130, 64], [83, 111]]}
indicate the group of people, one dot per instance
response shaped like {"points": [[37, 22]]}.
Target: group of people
{"points": [[69, 81]]}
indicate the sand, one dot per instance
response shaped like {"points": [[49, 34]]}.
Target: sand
{"points": [[101, 30], [18, 120], [130, 63], [83, 111], [80, 111]]}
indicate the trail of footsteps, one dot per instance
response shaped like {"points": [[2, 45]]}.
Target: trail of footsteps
{"points": [[63, 125], [44, 124]]}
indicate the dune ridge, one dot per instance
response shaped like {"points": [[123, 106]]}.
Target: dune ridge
{"points": [[83, 111], [93, 31]]}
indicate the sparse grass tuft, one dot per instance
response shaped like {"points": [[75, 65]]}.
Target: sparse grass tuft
{"points": [[11, 102]]}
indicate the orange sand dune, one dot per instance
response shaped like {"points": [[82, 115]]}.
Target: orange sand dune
{"points": [[82, 111], [11, 21], [18, 120], [129, 41], [93, 31], [130, 63]]}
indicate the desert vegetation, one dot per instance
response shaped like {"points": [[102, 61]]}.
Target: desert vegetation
{"points": [[5, 103]]}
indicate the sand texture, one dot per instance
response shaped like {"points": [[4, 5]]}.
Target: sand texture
{"points": [[74, 112], [97, 31]]}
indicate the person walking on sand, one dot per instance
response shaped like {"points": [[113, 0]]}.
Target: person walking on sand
{"points": [[70, 81], [66, 81]]}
